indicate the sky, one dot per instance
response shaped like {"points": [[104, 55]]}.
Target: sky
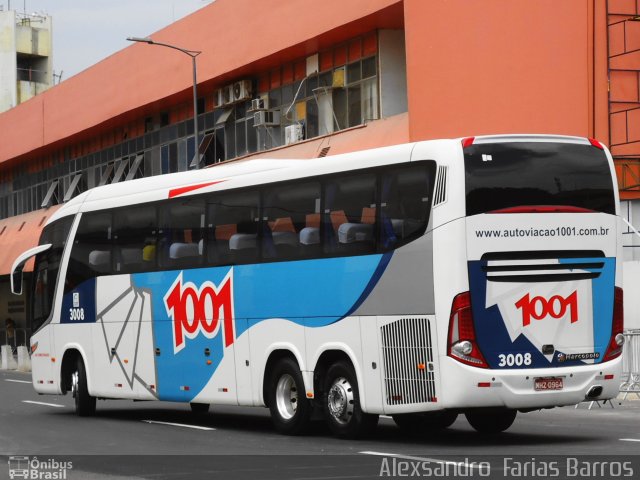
{"points": [[87, 31]]}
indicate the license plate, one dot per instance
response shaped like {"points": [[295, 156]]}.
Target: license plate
{"points": [[548, 383]]}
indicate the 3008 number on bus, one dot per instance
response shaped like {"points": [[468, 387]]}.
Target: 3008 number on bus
{"points": [[76, 314]]}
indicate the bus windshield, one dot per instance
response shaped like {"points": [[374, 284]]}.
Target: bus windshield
{"points": [[499, 176], [45, 271]]}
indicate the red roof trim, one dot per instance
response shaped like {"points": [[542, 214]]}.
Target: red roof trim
{"points": [[176, 192]]}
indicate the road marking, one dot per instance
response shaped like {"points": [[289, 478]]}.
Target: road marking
{"points": [[197, 427], [630, 439], [42, 403], [17, 381], [421, 459], [386, 416]]}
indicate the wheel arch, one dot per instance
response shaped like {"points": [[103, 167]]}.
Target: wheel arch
{"points": [[327, 357], [276, 354], [67, 366]]}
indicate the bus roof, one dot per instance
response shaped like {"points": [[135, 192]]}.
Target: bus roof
{"points": [[228, 175], [257, 171]]}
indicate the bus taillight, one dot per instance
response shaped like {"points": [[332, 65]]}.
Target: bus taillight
{"points": [[617, 336], [462, 344]]}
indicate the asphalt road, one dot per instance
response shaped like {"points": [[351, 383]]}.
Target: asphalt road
{"points": [[166, 440]]}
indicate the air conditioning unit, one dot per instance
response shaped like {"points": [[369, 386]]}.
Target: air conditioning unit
{"points": [[260, 103], [228, 94], [293, 134], [219, 97], [241, 90], [266, 118], [256, 104]]}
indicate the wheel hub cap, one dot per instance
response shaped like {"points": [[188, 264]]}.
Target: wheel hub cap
{"points": [[286, 397], [340, 400]]}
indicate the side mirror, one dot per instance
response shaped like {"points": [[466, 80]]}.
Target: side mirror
{"points": [[18, 266], [16, 280]]}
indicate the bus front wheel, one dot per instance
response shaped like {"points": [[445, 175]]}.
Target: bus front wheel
{"points": [[494, 421], [342, 403], [85, 404], [289, 406]]}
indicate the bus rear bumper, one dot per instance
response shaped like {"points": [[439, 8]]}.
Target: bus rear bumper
{"points": [[466, 387]]}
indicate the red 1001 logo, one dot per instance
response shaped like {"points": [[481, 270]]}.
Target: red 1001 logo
{"points": [[555, 307], [196, 311]]}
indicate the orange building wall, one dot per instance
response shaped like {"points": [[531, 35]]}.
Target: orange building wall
{"points": [[624, 71], [473, 67], [505, 66], [624, 50], [232, 34]]}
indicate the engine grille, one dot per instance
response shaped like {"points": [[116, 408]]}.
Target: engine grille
{"points": [[408, 362]]}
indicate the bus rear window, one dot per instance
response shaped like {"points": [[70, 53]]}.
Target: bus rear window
{"points": [[500, 176]]}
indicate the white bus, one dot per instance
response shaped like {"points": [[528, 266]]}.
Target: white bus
{"points": [[477, 276]]}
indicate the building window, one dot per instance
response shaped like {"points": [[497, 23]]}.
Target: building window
{"points": [[343, 94], [148, 124], [164, 119], [201, 105]]}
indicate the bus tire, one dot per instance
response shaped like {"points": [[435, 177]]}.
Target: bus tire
{"points": [[494, 421], [290, 409], [417, 423], [85, 404], [199, 408], [342, 403]]}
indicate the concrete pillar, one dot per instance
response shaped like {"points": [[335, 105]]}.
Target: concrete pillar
{"points": [[8, 362], [24, 362]]}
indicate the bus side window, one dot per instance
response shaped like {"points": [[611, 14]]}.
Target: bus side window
{"points": [[181, 234], [233, 219], [406, 204], [286, 232], [350, 215], [91, 251], [135, 239]]}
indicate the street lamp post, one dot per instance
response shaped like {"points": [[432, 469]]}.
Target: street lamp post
{"points": [[193, 54]]}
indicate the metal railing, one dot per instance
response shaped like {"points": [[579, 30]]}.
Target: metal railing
{"points": [[631, 364]]}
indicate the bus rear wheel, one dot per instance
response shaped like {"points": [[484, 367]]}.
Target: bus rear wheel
{"points": [[342, 403], [289, 406], [85, 404], [494, 421], [417, 423]]}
